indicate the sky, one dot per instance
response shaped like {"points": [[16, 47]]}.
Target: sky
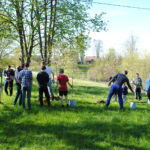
{"points": [[122, 22]]}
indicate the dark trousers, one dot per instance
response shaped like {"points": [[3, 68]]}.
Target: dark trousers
{"points": [[18, 94], [148, 94], [45, 91], [10, 85], [115, 89], [138, 93]]}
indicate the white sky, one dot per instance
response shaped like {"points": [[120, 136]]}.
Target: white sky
{"points": [[122, 23]]}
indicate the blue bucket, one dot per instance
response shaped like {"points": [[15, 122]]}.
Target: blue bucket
{"points": [[133, 105], [72, 103]]}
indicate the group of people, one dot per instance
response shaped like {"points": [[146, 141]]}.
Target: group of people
{"points": [[120, 84], [24, 78]]}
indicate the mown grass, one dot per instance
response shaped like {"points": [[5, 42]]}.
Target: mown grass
{"points": [[88, 126]]}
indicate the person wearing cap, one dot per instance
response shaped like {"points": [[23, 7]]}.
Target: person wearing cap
{"points": [[119, 79], [9, 75], [50, 72], [43, 79]]}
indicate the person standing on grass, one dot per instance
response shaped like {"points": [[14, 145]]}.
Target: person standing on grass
{"points": [[62, 81], [119, 79], [43, 79], [1, 90], [25, 78], [147, 88], [50, 72], [18, 85], [138, 87], [124, 92], [9, 75]]}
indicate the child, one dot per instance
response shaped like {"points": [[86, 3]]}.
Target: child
{"points": [[62, 81], [124, 92]]}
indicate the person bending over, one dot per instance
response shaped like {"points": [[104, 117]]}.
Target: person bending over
{"points": [[120, 79]]}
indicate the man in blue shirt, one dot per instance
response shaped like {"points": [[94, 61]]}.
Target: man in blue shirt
{"points": [[25, 77], [116, 88]]}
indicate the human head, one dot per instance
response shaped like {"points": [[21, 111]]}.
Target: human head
{"points": [[61, 71], [125, 72], [43, 68], [43, 63], [8, 67], [22, 66], [27, 65], [137, 74]]}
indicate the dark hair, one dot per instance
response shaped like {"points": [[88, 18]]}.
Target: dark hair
{"points": [[125, 72], [43, 68], [43, 62], [27, 65], [137, 73], [9, 66], [61, 70], [22, 66]]}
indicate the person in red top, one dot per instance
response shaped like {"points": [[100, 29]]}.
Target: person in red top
{"points": [[62, 81]]}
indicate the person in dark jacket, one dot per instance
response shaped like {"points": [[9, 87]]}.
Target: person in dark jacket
{"points": [[18, 85], [119, 79], [9, 75], [43, 79]]}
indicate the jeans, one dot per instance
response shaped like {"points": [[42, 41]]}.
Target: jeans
{"points": [[45, 91], [138, 93], [18, 94], [115, 89], [10, 85], [50, 88], [26, 90]]}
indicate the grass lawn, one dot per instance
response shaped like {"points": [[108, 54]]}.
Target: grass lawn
{"points": [[88, 126]]}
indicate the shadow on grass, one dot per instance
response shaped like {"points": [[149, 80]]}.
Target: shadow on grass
{"points": [[82, 135], [86, 134]]}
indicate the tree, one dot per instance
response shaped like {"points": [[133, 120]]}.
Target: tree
{"points": [[131, 45], [20, 15], [44, 24], [98, 47]]}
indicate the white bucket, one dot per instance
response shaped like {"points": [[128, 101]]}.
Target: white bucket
{"points": [[72, 103], [148, 101], [133, 105]]}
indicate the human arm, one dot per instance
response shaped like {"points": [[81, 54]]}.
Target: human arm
{"points": [[112, 79], [70, 84], [129, 86]]}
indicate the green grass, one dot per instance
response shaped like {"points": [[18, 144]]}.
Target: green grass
{"points": [[88, 126]]}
